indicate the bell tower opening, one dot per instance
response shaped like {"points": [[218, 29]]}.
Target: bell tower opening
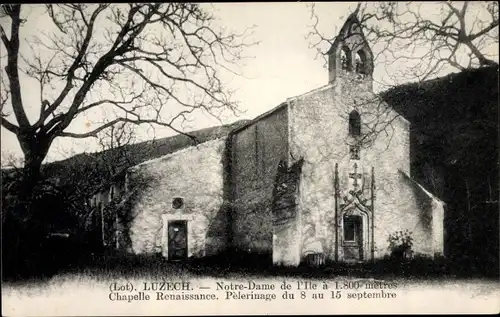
{"points": [[345, 59], [361, 62], [350, 54]]}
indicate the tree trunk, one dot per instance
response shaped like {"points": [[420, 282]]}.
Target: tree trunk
{"points": [[23, 232], [30, 178], [35, 148]]}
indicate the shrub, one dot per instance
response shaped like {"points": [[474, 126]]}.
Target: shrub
{"points": [[400, 244]]}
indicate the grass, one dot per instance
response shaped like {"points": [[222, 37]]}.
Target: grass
{"points": [[240, 265]]}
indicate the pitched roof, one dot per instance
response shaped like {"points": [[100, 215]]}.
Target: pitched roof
{"points": [[346, 32], [421, 188], [139, 152]]}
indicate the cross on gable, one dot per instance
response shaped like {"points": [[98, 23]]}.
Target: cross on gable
{"points": [[355, 175]]}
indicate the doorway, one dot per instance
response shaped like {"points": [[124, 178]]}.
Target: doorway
{"points": [[353, 238], [177, 240]]}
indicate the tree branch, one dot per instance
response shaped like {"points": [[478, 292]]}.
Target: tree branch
{"points": [[95, 132], [398, 28], [9, 126], [12, 68], [70, 76], [5, 40], [487, 29], [183, 53]]}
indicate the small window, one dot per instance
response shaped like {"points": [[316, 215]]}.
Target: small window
{"points": [[177, 203], [354, 124], [354, 152]]}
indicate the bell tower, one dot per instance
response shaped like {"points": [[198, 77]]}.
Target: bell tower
{"points": [[350, 54]]}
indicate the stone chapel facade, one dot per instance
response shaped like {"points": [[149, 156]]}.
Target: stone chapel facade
{"points": [[325, 173]]}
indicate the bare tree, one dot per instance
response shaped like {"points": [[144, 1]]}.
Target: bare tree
{"points": [[424, 38], [115, 152], [434, 178], [137, 60]]}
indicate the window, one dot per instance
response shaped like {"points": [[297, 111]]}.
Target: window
{"points": [[354, 124], [354, 152], [345, 59], [177, 203], [361, 62]]}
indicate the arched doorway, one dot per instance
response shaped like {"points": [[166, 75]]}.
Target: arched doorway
{"points": [[354, 238]]}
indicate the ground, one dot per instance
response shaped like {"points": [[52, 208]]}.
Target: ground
{"points": [[87, 291]]}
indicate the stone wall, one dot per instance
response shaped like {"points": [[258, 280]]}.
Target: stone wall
{"points": [[427, 223], [286, 228], [256, 151], [319, 134], [316, 128], [194, 174]]}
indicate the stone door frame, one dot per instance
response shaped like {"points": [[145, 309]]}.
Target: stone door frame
{"points": [[355, 208], [166, 218]]}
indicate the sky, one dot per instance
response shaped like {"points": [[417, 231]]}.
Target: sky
{"points": [[281, 66]]}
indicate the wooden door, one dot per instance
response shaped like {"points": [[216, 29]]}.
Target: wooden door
{"points": [[353, 238], [177, 240]]}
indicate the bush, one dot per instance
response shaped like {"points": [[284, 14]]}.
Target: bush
{"points": [[400, 244], [39, 237]]}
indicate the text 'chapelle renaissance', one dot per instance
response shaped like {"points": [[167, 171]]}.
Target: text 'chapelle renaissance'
{"points": [[252, 290]]}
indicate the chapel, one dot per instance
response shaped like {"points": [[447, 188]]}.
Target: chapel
{"points": [[323, 175]]}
